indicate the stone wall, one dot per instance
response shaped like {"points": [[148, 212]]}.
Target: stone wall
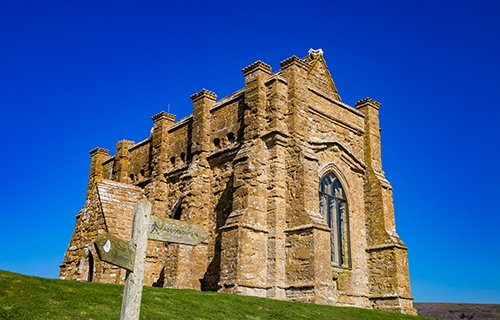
{"points": [[109, 208], [247, 168]]}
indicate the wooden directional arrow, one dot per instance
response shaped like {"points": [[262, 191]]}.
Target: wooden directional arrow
{"points": [[176, 231], [115, 251]]}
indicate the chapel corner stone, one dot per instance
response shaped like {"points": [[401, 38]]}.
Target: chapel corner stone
{"points": [[163, 116], [99, 151], [257, 65], [367, 102], [204, 93]]}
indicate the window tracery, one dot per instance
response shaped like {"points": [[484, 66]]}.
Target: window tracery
{"points": [[333, 206]]}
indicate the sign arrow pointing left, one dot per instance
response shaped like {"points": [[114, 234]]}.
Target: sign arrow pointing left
{"points": [[115, 251]]}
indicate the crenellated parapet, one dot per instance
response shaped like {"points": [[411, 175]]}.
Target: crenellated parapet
{"points": [[162, 122], [293, 61], [121, 167], [370, 109], [367, 102], [256, 75], [97, 157], [257, 65], [164, 116], [202, 102], [277, 102], [204, 94]]}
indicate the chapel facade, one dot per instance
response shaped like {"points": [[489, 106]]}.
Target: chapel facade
{"points": [[284, 177]]}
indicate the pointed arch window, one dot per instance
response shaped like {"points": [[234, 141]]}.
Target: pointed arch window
{"points": [[333, 206]]}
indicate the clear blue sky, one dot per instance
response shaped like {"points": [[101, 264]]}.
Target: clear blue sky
{"points": [[80, 74]]}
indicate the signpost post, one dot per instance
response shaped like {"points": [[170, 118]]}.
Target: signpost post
{"points": [[132, 256]]}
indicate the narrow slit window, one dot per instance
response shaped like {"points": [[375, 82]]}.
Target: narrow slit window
{"points": [[176, 211], [90, 274]]}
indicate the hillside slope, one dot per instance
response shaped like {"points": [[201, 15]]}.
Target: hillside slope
{"points": [[459, 311], [24, 297]]}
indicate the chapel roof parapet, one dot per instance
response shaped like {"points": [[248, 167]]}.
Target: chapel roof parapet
{"points": [[367, 102], [125, 143], [99, 150], [257, 65], [204, 93], [163, 116], [293, 60], [274, 78]]}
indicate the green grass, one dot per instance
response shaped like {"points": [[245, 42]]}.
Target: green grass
{"points": [[25, 297]]}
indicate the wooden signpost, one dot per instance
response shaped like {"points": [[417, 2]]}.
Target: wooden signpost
{"points": [[132, 256]]}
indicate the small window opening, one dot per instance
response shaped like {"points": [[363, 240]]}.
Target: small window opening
{"points": [[230, 137], [172, 160], [176, 211], [183, 157], [217, 142]]}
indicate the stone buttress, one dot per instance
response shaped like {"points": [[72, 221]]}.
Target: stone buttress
{"points": [[387, 254], [244, 236]]}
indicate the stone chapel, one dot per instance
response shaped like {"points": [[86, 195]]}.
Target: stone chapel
{"points": [[284, 177]]}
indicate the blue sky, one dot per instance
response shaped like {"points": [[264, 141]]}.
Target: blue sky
{"points": [[75, 75]]}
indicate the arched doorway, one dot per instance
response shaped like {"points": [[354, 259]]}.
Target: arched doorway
{"points": [[90, 274]]}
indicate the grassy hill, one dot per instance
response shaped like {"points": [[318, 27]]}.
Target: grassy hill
{"points": [[468, 311], [24, 297]]}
